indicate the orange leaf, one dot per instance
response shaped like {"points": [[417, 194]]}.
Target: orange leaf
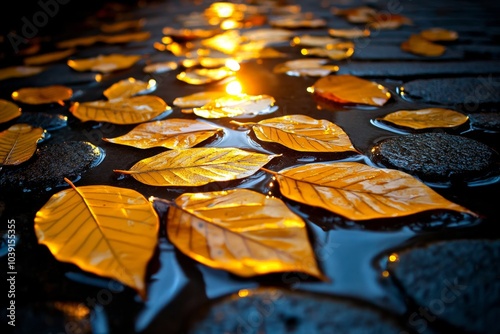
{"points": [[105, 230], [8, 111], [439, 34], [197, 99], [104, 63], [352, 33], [351, 89], [19, 71], [128, 88], [18, 143], [48, 57], [42, 95], [426, 118], [420, 46]]}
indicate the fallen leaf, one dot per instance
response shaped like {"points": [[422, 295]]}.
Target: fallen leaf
{"points": [[8, 111], [18, 143], [43, 95], [315, 41], [360, 192], [351, 89], [302, 133], [334, 54], [236, 105], [268, 35], [128, 88], [48, 57], [352, 33], [139, 36], [77, 42], [197, 166], [306, 67], [426, 118], [296, 21], [439, 35], [202, 76], [388, 21], [106, 230], [360, 14], [114, 27], [418, 45], [130, 110], [227, 42], [185, 34], [173, 133], [20, 71], [197, 99], [160, 67], [241, 231], [104, 63]]}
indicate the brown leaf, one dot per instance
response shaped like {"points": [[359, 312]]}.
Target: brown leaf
{"points": [[43, 95], [422, 47]]}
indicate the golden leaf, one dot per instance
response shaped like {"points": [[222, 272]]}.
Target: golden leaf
{"points": [[361, 14], [296, 21], [351, 89], [197, 99], [236, 105], [439, 35], [42, 95], [125, 38], [227, 42], [173, 133], [160, 67], [104, 63], [241, 231], [351, 33], [334, 54], [360, 192], [197, 166], [306, 67], [302, 133], [130, 110], [122, 25], [19, 71], [203, 76], [106, 230], [77, 42], [8, 111], [128, 88], [420, 46], [185, 34], [426, 118], [18, 143], [391, 21], [314, 41], [48, 57], [267, 35]]}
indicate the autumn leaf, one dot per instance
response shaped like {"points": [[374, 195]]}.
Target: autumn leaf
{"points": [[426, 118], [77, 42], [128, 88], [42, 95], [8, 111], [350, 33], [268, 35], [360, 14], [197, 99], [360, 192], [306, 67], [160, 67], [122, 25], [351, 89], [186, 34], [297, 21], [420, 46], [20, 71], [173, 133], [334, 54], [314, 41], [104, 63], [236, 105], [125, 38], [48, 57], [241, 231], [18, 143], [197, 166], [106, 230], [392, 21], [302, 133], [439, 35], [202, 76], [130, 110]]}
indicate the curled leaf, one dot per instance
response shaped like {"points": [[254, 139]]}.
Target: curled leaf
{"points": [[104, 63], [236, 105], [241, 231], [302, 133], [351, 89], [128, 88], [360, 192], [105, 230], [197, 166], [8, 111], [420, 46], [173, 133], [129, 110], [43, 95], [426, 118], [18, 143]]}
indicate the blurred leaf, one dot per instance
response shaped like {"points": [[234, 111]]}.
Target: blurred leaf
{"points": [[422, 47], [360, 14], [204, 76], [43, 95], [351, 89], [439, 35], [128, 88], [315, 41], [8, 111], [185, 34], [104, 63], [130, 110], [350, 33], [306, 67], [236, 105], [48, 57], [426, 118], [241, 231], [19, 71], [392, 21], [160, 67], [18, 143], [302, 133], [360, 192], [197, 99], [139, 36], [297, 21], [105, 230], [174, 133], [334, 54], [197, 166], [114, 27]]}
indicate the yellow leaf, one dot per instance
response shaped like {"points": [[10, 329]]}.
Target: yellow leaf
{"points": [[128, 88], [77, 42], [334, 54], [305, 67], [106, 230], [185, 34], [203, 76], [227, 42], [241, 231], [360, 192], [439, 35], [236, 105], [197, 99], [197, 166], [314, 41], [351, 33], [426, 118], [351, 89], [19, 71], [130, 110], [174, 133], [420, 46], [297, 21], [125, 38], [302, 133], [268, 35], [160, 67], [360, 14], [42, 95], [8, 111], [122, 25], [48, 57], [18, 143], [104, 63]]}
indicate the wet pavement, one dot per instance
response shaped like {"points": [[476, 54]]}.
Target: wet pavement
{"points": [[431, 272]]}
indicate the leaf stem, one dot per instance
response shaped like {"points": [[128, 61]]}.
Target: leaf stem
{"points": [[269, 171]]}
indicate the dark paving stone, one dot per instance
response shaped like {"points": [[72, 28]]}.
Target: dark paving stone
{"points": [[375, 51], [280, 311], [489, 121], [457, 281]]}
